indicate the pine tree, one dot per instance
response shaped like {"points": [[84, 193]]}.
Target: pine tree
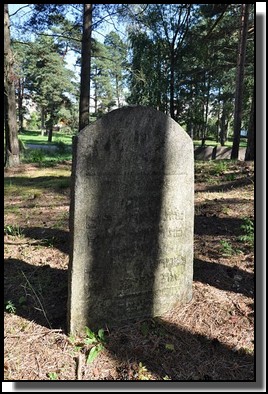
{"points": [[12, 157]]}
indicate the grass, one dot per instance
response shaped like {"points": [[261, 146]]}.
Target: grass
{"points": [[35, 137], [228, 144], [44, 157], [62, 143], [31, 187]]}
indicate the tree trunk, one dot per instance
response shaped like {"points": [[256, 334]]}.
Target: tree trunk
{"points": [[12, 156], [50, 123], [224, 125], [206, 110], [50, 134], [85, 68], [240, 80], [20, 101], [43, 121], [117, 90], [250, 152], [172, 82]]}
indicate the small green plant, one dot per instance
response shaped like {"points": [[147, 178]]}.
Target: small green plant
{"points": [[166, 377], [248, 230], [35, 156], [49, 242], [219, 168], [226, 248], [169, 346], [52, 376], [143, 373], [97, 340], [10, 307], [72, 339], [230, 177], [13, 230]]}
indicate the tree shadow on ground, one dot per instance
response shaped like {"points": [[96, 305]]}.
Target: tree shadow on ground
{"points": [[213, 225], [57, 184], [38, 293], [49, 237], [227, 186], [224, 277], [171, 351], [166, 350]]}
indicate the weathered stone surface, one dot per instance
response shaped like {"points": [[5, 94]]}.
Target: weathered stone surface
{"points": [[222, 152], [204, 153], [242, 154], [131, 219]]}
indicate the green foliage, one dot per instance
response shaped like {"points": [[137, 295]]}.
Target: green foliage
{"points": [[34, 122], [34, 156], [226, 248], [46, 158], [15, 230], [143, 373], [48, 80], [169, 346], [52, 375], [230, 177], [219, 167], [248, 229], [166, 377], [108, 76], [10, 307], [97, 340]]}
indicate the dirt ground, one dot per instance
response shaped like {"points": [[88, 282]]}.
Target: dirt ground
{"points": [[209, 339]]}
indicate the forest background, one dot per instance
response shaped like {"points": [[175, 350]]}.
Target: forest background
{"points": [[194, 62]]}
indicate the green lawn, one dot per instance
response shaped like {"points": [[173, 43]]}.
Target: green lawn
{"points": [[243, 143], [62, 147], [35, 137], [61, 143]]}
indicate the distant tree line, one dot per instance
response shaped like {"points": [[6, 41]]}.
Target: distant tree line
{"points": [[194, 62]]}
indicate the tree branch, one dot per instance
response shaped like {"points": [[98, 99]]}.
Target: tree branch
{"points": [[216, 22], [25, 6]]}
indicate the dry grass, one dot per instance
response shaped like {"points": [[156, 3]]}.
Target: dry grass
{"points": [[211, 338]]}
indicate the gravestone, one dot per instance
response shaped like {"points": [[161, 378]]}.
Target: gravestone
{"points": [[131, 219], [204, 153], [222, 152]]}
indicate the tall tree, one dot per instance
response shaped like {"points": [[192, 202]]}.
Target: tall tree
{"points": [[85, 67], [19, 50], [48, 80], [103, 95], [164, 27], [12, 157], [117, 51], [250, 151], [240, 79]]}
